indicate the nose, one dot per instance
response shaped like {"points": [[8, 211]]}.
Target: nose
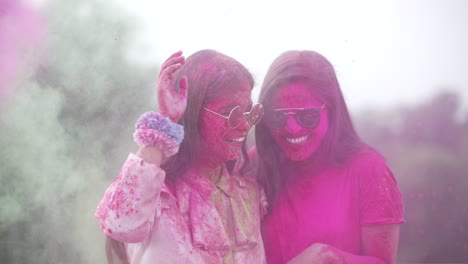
{"points": [[291, 125]]}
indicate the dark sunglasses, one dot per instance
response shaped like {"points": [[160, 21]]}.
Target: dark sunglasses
{"points": [[306, 117], [235, 116]]}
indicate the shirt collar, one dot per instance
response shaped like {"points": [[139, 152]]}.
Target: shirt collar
{"points": [[205, 188]]}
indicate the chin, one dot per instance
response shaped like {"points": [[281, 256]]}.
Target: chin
{"points": [[227, 156], [297, 156], [233, 156]]}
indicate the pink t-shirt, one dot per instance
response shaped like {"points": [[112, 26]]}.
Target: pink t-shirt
{"points": [[330, 207]]}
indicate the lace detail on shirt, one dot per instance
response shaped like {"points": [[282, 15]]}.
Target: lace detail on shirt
{"points": [[381, 200]]}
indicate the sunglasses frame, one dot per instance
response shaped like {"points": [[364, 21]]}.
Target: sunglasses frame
{"points": [[244, 114], [294, 111]]}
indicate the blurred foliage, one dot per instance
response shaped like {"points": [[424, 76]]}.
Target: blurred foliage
{"points": [[65, 133], [427, 148]]}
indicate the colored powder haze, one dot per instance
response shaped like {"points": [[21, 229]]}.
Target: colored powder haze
{"points": [[21, 33], [75, 75], [385, 52]]}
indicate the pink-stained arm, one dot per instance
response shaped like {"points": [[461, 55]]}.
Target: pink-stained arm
{"points": [[129, 206], [381, 241], [379, 246]]}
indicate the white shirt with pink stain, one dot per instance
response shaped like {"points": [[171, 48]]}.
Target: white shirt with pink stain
{"points": [[195, 221]]}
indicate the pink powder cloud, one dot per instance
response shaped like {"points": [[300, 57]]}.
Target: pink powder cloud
{"points": [[21, 32]]}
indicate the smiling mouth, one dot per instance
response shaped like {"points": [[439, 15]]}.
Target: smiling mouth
{"points": [[297, 140], [237, 140]]}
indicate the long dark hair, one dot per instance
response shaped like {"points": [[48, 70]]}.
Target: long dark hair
{"points": [[341, 139], [210, 76]]}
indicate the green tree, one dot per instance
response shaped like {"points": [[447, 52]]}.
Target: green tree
{"points": [[65, 133]]}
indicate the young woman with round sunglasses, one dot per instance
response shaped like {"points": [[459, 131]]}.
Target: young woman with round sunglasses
{"points": [[177, 201], [332, 198]]}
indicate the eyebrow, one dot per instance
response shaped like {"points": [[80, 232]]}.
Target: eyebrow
{"points": [[231, 106]]}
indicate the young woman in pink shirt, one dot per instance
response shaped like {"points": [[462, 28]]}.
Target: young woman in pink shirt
{"points": [[178, 201], [332, 198]]}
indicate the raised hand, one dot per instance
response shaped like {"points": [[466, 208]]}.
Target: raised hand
{"points": [[172, 102]]}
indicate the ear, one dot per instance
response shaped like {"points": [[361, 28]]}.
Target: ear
{"points": [[183, 87]]}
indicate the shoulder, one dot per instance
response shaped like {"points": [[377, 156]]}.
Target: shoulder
{"points": [[369, 167], [380, 199], [372, 172], [366, 160]]}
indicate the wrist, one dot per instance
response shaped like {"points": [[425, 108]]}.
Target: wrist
{"points": [[156, 130], [171, 117], [153, 155]]}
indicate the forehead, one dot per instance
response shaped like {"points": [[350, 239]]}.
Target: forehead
{"points": [[238, 95], [296, 94]]}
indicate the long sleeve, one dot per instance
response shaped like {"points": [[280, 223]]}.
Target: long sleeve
{"points": [[131, 203]]}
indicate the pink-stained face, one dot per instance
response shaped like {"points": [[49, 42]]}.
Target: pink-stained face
{"points": [[298, 142], [220, 142]]}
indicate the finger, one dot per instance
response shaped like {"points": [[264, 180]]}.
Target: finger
{"points": [[173, 59], [168, 72], [180, 59], [176, 54], [183, 87]]}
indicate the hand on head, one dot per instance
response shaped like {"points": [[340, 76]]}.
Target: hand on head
{"points": [[172, 97]]}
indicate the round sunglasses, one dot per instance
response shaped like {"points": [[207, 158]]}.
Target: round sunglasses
{"points": [[306, 117], [236, 115]]}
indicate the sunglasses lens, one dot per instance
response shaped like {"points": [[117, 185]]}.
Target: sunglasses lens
{"points": [[276, 119], [235, 117], [256, 114], [309, 117]]}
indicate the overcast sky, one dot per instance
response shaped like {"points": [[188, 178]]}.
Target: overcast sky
{"points": [[385, 52]]}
